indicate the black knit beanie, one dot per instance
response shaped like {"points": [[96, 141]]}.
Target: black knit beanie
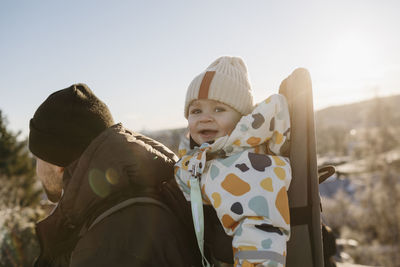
{"points": [[65, 123]]}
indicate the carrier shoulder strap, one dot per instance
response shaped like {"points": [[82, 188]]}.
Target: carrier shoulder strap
{"points": [[121, 205]]}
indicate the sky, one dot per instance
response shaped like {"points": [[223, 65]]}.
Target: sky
{"points": [[140, 56]]}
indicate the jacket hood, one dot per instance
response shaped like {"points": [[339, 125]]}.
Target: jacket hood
{"points": [[117, 161], [115, 165]]}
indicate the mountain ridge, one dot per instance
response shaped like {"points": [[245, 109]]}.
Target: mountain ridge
{"points": [[362, 114]]}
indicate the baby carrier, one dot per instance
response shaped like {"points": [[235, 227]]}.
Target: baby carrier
{"points": [[304, 248]]}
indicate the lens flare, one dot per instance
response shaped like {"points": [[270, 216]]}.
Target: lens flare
{"points": [[112, 176], [99, 183]]}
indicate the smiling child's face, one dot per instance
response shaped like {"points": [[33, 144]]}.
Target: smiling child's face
{"points": [[209, 119]]}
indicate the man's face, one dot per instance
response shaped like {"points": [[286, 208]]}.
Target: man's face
{"points": [[210, 119], [51, 177]]}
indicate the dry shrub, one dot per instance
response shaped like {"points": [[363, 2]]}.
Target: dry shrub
{"points": [[18, 243], [371, 217]]}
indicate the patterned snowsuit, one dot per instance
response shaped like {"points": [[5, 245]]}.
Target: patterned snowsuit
{"points": [[245, 178]]}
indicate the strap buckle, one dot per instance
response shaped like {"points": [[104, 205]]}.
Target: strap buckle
{"points": [[194, 171]]}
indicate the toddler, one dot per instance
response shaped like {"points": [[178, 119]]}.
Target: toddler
{"points": [[234, 162]]}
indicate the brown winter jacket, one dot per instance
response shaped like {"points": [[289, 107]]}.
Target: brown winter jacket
{"points": [[116, 166]]}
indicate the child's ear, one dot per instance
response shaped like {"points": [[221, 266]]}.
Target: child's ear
{"points": [[187, 133]]}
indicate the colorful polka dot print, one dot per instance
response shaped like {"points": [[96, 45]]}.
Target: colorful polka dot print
{"points": [[247, 182]]}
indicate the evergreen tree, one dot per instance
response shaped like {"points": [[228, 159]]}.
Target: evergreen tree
{"points": [[19, 200], [14, 157], [17, 171]]}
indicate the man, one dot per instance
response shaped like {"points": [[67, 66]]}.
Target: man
{"points": [[110, 186]]}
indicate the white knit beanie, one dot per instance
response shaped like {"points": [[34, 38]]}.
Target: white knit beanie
{"points": [[226, 81]]}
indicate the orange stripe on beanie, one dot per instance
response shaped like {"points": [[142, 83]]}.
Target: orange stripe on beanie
{"points": [[205, 84]]}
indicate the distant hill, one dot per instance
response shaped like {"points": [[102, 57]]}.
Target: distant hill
{"points": [[346, 117], [361, 114]]}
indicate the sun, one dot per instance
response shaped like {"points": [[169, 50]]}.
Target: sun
{"points": [[351, 68], [352, 57]]}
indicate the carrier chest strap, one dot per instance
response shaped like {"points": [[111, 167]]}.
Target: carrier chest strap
{"points": [[197, 164]]}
